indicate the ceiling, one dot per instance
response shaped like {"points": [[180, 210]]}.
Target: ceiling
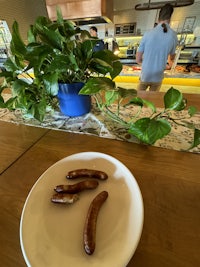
{"points": [[120, 5]]}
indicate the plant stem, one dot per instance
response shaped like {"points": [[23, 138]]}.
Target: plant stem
{"points": [[114, 117]]}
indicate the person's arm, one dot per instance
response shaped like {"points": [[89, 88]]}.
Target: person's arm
{"points": [[170, 61], [172, 55], [139, 57]]}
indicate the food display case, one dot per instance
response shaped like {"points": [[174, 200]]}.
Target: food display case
{"points": [[128, 47], [186, 70], [190, 55]]}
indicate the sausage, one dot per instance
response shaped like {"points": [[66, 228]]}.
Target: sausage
{"points": [[78, 187], [89, 233], [64, 198], [87, 173]]}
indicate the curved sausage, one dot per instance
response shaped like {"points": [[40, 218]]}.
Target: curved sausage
{"points": [[80, 173], [78, 187], [64, 198], [89, 234]]}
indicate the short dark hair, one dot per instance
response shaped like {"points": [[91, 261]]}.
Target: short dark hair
{"points": [[93, 28], [166, 12]]}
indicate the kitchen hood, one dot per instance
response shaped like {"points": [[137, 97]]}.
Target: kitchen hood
{"points": [[82, 12]]}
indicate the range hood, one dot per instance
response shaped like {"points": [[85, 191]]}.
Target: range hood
{"points": [[83, 12], [158, 5]]}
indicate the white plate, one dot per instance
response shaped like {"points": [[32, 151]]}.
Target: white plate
{"points": [[51, 234]]}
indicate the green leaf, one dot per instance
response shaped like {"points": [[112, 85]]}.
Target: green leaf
{"points": [[51, 83], [30, 35], [150, 105], [18, 87], [192, 110], [66, 27], [196, 140], [59, 63], [42, 21], [141, 102], [85, 35], [50, 37], [6, 74], [13, 65], [173, 99], [38, 110], [10, 103], [60, 19], [86, 49], [123, 92], [111, 97], [99, 66], [95, 85], [136, 101], [2, 87], [116, 69], [2, 104], [106, 62], [150, 130], [17, 46], [36, 55]]}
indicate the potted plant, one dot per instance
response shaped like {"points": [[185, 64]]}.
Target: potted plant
{"points": [[57, 53], [155, 126]]}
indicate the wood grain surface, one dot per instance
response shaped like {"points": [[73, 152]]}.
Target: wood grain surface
{"points": [[169, 181], [15, 140]]}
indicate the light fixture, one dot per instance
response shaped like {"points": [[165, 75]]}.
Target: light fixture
{"points": [[158, 5]]}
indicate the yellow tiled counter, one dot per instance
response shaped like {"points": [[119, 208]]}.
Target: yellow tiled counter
{"points": [[184, 82], [171, 81]]}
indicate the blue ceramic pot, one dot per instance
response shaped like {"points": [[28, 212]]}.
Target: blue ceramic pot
{"points": [[71, 103]]}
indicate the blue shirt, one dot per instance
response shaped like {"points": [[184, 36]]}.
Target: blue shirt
{"points": [[99, 46], [156, 46]]}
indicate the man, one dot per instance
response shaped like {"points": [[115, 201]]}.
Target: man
{"points": [[100, 44], [157, 47]]}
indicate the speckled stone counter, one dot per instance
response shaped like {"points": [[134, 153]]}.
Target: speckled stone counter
{"points": [[95, 123]]}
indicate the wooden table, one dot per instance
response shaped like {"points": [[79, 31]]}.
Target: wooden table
{"points": [[157, 98], [169, 181], [15, 140]]}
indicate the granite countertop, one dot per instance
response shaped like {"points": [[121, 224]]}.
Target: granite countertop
{"points": [[95, 123]]}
